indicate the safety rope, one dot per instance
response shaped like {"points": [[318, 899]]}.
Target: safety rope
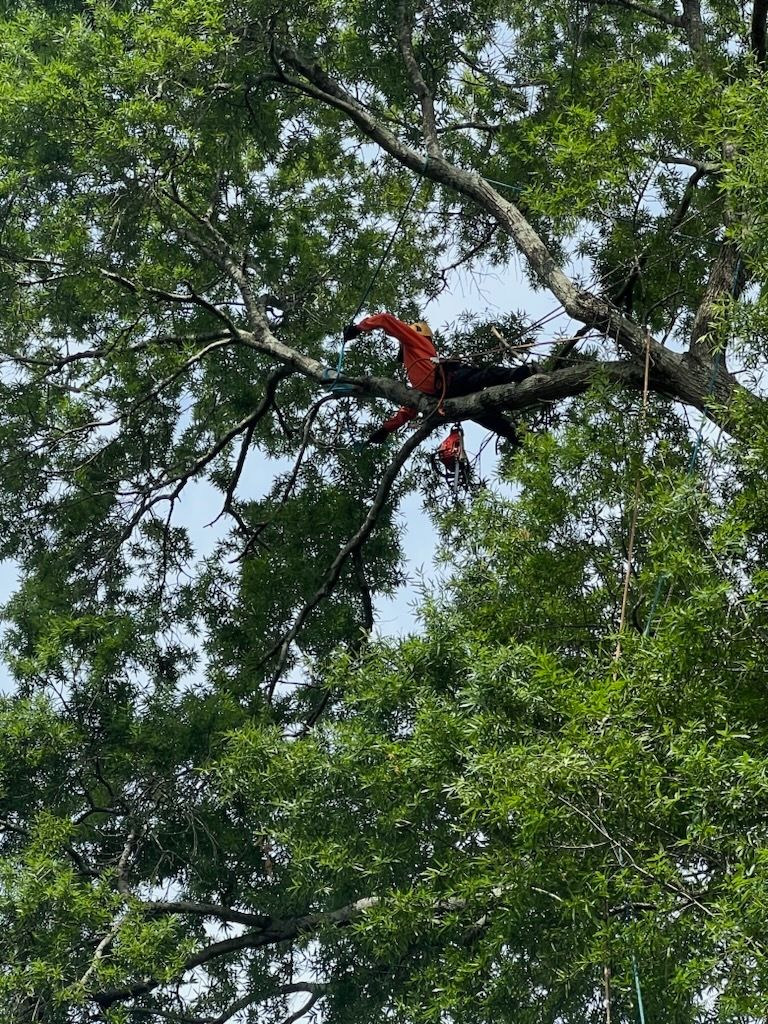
{"points": [[622, 623], [663, 577], [638, 990], [717, 359], [337, 387], [635, 503]]}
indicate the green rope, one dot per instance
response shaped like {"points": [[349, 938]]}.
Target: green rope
{"points": [[504, 184], [636, 974], [340, 388]]}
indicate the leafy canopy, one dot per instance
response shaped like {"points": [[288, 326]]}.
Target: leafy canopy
{"points": [[224, 797]]}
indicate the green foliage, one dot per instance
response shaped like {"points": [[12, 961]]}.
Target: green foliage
{"points": [[477, 822]]}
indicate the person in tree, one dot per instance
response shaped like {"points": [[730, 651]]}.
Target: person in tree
{"points": [[429, 374]]}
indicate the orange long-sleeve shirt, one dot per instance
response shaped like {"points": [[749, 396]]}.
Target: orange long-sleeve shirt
{"points": [[419, 360]]}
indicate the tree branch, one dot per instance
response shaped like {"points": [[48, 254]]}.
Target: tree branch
{"points": [[266, 402], [672, 20], [365, 590], [693, 25], [158, 907], [420, 87], [758, 29], [726, 278], [272, 931], [282, 648]]}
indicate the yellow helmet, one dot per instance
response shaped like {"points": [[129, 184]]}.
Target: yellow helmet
{"points": [[422, 327]]}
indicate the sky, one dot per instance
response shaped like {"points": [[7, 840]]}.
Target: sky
{"points": [[494, 293]]}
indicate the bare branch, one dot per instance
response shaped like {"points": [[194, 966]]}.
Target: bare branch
{"points": [[122, 863], [100, 950], [672, 20], [272, 932], [479, 126], [266, 402], [624, 294], [158, 907], [420, 87], [223, 257], [315, 990], [182, 478], [699, 165], [305, 1008]]}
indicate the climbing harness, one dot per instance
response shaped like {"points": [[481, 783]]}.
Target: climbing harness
{"points": [[451, 463]]}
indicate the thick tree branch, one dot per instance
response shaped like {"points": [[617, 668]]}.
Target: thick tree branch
{"points": [[726, 278], [758, 29], [693, 383], [693, 26], [672, 20], [420, 87], [269, 932]]}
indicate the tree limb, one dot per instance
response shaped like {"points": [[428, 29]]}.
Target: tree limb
{"points": [[420, 87], [693, 25], [388, 478], [365, 590], [159, 907], [672, 20], [758, 29], [726, 278], [271, 932]]}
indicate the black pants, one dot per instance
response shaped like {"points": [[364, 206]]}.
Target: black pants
{"points": [[465, 380]]}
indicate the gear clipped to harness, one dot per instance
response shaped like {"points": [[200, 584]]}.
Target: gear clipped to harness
{"points": [[451, 462]]}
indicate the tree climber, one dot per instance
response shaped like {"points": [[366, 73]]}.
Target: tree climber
{"points": [[429, 374]]}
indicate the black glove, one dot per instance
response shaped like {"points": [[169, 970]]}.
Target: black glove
{"points": [[351, 331], [378, 436]]}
